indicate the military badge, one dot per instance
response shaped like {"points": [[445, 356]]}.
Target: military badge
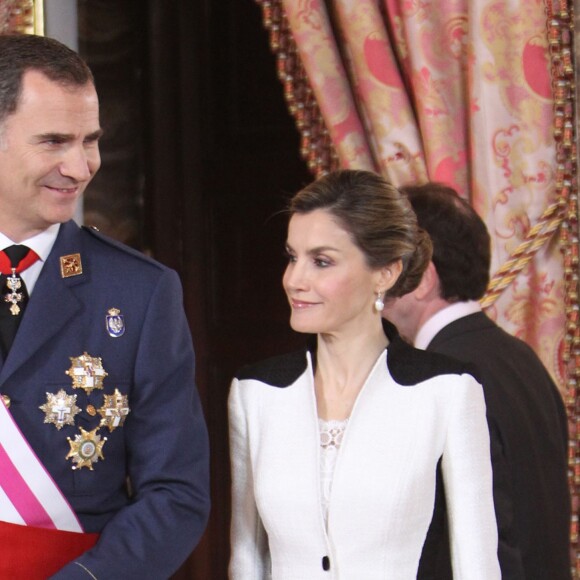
{"points": [[87, 372], [71, 265], [60, 409], [114, 410], [6, 401], [115, 323], [86, 449]]}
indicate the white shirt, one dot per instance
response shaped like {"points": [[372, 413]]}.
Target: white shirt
{"points": [[42, 244], [442, 318]]}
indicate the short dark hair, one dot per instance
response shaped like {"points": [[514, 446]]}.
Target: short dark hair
{"points": [[377, 216], [20, 53], [461, 242]]}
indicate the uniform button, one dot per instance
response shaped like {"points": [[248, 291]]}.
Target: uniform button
{"points": [[326, 563], [6, 400]]}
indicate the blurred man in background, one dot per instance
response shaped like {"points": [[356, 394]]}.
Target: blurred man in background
{"points": [[526, 415]]}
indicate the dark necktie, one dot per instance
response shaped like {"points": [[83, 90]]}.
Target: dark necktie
{"points": [[14, 297]]}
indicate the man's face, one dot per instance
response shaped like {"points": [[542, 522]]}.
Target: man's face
{"points": [[49, 153]]}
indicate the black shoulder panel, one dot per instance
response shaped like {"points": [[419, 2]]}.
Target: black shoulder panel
{"points": [[409, 366], [278, 371]]}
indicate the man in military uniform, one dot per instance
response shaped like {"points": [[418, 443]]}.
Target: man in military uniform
{"points": [[103, 444]]}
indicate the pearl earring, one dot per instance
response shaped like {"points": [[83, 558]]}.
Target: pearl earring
{"points": [[379, 304]]}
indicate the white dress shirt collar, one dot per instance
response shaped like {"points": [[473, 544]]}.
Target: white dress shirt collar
{"points": [[442, 318], [42, 244]]}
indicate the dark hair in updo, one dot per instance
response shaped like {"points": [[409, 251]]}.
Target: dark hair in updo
{"points": [[378, 217]]}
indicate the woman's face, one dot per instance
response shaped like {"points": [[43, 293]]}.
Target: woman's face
{"points": [[329, 285]]}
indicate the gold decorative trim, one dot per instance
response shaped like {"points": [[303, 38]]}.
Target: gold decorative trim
{"points": [[23, 16], [560, 21], [39, 17], [316, 146], [536, 238]]}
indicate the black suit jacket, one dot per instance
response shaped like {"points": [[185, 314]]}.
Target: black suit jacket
{"points": [[528, 430]]}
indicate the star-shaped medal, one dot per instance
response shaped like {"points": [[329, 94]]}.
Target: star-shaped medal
{"points": [[87, 372], [86, 449], [114, 410], [60, 409]]}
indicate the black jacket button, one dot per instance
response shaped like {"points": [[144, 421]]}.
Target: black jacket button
{"points": [[326, 563]]}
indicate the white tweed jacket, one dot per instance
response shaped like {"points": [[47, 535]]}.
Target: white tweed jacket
{"points": [[415, 408]]}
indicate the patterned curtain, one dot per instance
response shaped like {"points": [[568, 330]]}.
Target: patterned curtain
{"points": [[477, 94]]}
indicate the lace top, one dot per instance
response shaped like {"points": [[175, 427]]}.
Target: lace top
{"points": [[331, 433]]}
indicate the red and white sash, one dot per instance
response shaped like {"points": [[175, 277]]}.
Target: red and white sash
{"points": [[28, 494]]}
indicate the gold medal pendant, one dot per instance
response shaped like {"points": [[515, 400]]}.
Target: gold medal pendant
{"points": [[87, 372], [114, 410], [60, 409], [14, 283], [86, 449]]}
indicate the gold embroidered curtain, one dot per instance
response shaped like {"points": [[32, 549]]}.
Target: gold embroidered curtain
{"points": [[474, 93]]}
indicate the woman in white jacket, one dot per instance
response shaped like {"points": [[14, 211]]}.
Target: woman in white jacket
{"points": [[334, 449]]}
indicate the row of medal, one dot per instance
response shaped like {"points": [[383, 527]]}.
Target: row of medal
{"points": [[87, 373]]}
